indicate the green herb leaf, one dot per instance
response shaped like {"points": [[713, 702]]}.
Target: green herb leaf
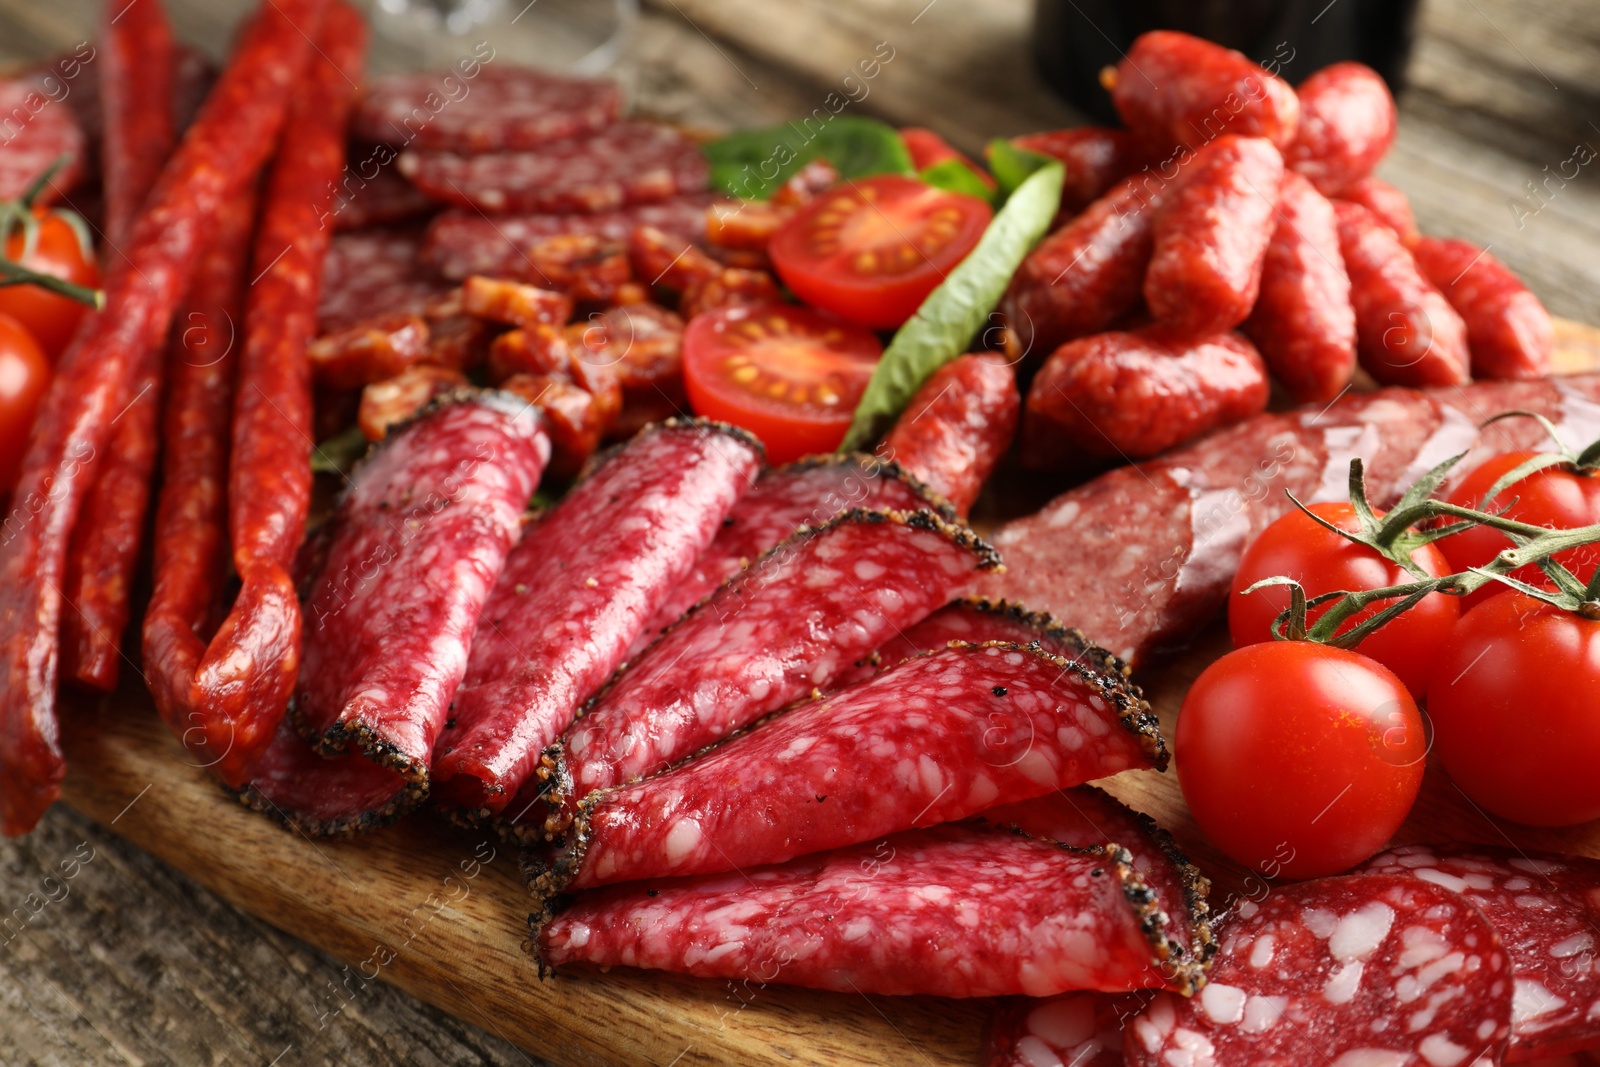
{"points": [[753, 164], [1011, 166], [338, 454], [954, 176], [947, 321]]}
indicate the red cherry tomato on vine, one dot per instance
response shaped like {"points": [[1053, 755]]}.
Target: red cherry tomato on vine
{"points": [[49, 317], [870, 251], [1552, 497], [1323, 562], [1297, 759], [1515, 704], [789, 375], [24, 376]]}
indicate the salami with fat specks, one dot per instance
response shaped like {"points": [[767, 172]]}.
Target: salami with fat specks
{"points": [[323, 796], [483, 107], [1142, 556], [1359, 970], [954, 911], [938, 738], [779, 631], [808, 492], [576, 592], [1546, 909], [381, 199], [462, 242], [1068, 1030], [418, 541], [629, 163], [39, 130], [374, 272], [227, 144]]}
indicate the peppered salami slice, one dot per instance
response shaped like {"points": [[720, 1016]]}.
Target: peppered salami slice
{"points": [[1068, 1030], [779, 631], [808, 492], [484, 108], [955, 911], [1142, 556], [38, 130], [374, 272], [575, 593], [462, 242], [629, 163], [1546, 909], [1363, 969], [417, 543], [323, 796], [371, 193], [937, 738]]}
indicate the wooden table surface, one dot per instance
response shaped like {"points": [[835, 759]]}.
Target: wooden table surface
{"points": [[132, 963]]}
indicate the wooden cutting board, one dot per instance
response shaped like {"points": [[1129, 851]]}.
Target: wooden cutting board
{"points": [[440, 912]]}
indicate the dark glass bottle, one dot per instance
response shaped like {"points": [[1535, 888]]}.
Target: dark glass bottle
{"points": [[1074, 39]]}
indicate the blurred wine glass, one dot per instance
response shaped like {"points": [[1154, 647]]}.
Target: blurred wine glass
{"points": [[574, 36]]}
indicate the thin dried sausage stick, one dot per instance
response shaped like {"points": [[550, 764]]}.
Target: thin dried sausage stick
{"points": [[227, 143], [245, 679], [136, 94], [1508, 329], [957, 427]]}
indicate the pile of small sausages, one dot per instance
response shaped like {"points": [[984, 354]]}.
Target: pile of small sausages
{"points": [[1234, 230]]}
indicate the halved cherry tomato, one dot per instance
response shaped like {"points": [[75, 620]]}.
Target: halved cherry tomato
{"points": [[24, 376], [1513, 706], [1552, 497], [870, 251], [1323, 562], [789, 375], [49, 317], [1298, 759]]}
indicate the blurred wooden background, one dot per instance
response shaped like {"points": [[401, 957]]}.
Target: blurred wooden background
{"points": [[135, 964]]}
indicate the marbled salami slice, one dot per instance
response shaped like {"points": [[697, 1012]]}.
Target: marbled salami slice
{"points": [[1143, 556], [1546, 909], [576, 592], [808, 492], [462, 242], [940, 737], [369, 273], [954, 911], [1359, 970], [418, 541], [484, 108], [629, 163], [323, 796], [371, 193], [779, 631], [1069, 1030], [35, 131]]}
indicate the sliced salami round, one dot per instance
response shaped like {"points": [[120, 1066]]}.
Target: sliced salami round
{"points": [[461, 242], [1068, 1030], [35, 130], [379, 200], [1546, 909], [497, 109], [323, 797], [1368, 970], [371, 273], [629, 163]]}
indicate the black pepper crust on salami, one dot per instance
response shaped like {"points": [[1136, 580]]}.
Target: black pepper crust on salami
{"points": [[696, 817]]}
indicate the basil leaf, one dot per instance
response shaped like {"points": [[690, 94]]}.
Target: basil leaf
{"points": [[340, 452], [1011, 166], [956, 177], [753, 164], [947, 321]]}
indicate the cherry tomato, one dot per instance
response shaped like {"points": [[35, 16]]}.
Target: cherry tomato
{"points": [[1323, 562], [24, 376], [871, 251], [789, 375], [1298, 759], [1513, 704], [928, 148], [1552, 497], [51, 318]]}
